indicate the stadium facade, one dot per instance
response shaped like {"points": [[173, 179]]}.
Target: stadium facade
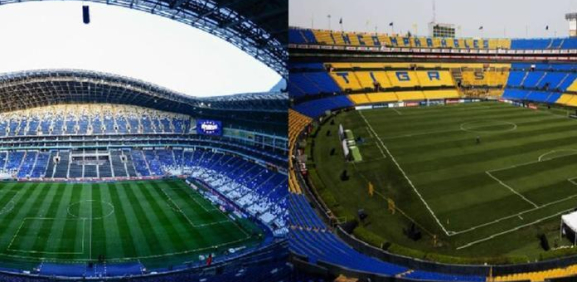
{"points": [[70, 126], [348, 80], [110, 178]]}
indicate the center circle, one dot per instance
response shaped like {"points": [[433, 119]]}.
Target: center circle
{"points": [[84, 209], [488, 126]]}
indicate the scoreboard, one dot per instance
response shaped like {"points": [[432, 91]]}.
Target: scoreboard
{"points": [[209, 127]]}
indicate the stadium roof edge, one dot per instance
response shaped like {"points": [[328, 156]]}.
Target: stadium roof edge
{"points": [[46, 87], [259, 28]]}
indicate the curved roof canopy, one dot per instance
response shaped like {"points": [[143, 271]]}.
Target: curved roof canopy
{"points": [[30, 89], [257, 27]]}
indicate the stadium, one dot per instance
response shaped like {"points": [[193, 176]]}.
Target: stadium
{"points": [[108, 177], [432, 159]]}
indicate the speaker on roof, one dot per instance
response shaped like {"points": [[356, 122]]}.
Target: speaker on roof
{"points": [[86, 14]]}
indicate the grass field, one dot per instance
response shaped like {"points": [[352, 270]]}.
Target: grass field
{"points": [[490, 199], [159, 223]]}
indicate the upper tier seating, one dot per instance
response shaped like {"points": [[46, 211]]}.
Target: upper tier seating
{"points": [[301, 36], [261, 192], [326, 37], [389, 97], [495, 76], [314, 79], [93, 119], [554, 77], [310, 83], [316, 108], [544, 83], [360, 79]]}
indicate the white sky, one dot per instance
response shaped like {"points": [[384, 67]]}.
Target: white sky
{"points": [[499, 18], [48, 35]]}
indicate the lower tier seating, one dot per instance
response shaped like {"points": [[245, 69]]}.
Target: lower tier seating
{"points": [[311, 238]]}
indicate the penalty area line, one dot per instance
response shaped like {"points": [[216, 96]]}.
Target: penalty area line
{"points": [[511, 189], [510, 230]]}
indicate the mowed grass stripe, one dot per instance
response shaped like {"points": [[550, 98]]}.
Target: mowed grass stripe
{"points": [[127, 233], [8, 193], [221, 233], [192, 207], [400, 125], [436, 139], [450, 171], [505, 130], [195, 238], [446, 110], [409, 125], [434, 165], [61, 213], [139, 207], [40, 243], [162, 229], [437, 145], [189, 210], [13, 220], [71, 226], [528, 179], [167, 219], [32, 228], [509, 150], [447, 124], [141, 221], [446, 157], [97, 228], [191, 200], [114, 243]]}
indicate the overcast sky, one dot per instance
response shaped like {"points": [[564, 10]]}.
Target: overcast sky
{"points": [[512, 18], [46, 35]]}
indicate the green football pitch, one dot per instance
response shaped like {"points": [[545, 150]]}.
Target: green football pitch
{"points": [[486, 179], [158, 223]]}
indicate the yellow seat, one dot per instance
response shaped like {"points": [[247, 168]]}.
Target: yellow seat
{"points": [[297, 123], [564, 99], [359, 99], [383, 97], [411, 95], [441, 94]]}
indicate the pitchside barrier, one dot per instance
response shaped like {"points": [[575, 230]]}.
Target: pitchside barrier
{"points": [[424, 103], [325, 269], [268, 254]]}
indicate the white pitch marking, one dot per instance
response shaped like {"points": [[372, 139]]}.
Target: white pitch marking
{"points": [[555, 151], [514, 215], [511, 189], [405, 175], [572, 180], [397, 111], [419, 134], [463, 126], [510, 230]]}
